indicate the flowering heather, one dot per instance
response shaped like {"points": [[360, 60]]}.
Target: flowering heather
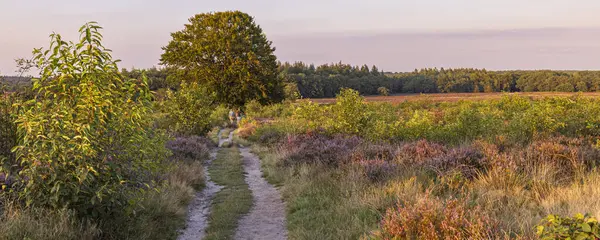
{"points": [[190, 148], [318, 149]]}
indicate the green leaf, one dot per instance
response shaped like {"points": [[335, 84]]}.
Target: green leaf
{"points": [[586, 227]]}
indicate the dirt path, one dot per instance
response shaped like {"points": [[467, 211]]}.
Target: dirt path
{"points": [[199, 210], [266, 219]]}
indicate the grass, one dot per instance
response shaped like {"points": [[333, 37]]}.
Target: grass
{"points": [[321, 204], [155, 213], [234, 200], [225, 133], [214, 135], [341, 203]]}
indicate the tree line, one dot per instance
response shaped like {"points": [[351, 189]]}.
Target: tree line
{"points": [[327, 80]]}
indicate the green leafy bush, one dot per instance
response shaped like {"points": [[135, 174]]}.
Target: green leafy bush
{"points": [[580, 227], [87, 133], [188, 111], [383, 91]]}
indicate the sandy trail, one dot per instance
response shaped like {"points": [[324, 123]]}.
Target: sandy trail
{"points": [[200, 208], [266, 219]]}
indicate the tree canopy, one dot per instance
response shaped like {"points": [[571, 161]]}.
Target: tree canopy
{"points": [[228, 53]]}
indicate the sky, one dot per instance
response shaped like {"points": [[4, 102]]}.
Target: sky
{"points": [[396, 35]]}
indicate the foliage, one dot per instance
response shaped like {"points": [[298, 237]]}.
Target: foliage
{"points": [[326, 80], [383, 91], [8, 132], [229, 54], [579, 227], [86, 133], [157, 78], [188, 111]]}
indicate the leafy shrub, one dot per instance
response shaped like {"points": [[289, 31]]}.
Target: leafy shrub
{"points": [[192, 148], [87, 132], [227, 144], [579, 227], [383, 91], [349, 113], [8, 132], [189, 110]]}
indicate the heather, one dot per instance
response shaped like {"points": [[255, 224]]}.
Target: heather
{"points": [[491, 169]]}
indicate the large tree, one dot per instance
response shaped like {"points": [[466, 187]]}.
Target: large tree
{"points": [[229, 54]]}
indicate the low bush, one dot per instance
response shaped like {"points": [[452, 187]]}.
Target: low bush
{"points": [[430, 218], [580, 226], [378, 170], [466, 160], [190, 148], [318, 149], [418, 152]]}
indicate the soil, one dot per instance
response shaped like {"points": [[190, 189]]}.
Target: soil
{"points": [[266, 219]]}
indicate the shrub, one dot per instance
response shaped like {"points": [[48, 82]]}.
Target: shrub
{"points": [[383, 91], [418, 152], [268, 135], [466, 160], [318, 149], [369, 150], [8, 133], [579, 227], [247, 128], [570, 156], [189, 111], [192, 148], [377, 170], [349, 114], [430, 218], [87, 132]]}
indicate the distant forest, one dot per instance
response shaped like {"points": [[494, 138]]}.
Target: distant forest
{"points": [[325, 81]]}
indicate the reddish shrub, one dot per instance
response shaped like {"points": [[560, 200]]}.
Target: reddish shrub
{"points": [[569, 155], [466, 160], [418, 152], [433, 219]]}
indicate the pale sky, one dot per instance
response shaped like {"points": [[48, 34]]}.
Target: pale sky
{"points": [[397, 35]]}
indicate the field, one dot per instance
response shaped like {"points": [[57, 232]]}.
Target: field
{"points": [[504, 167], [453, 97], [224, 147]]}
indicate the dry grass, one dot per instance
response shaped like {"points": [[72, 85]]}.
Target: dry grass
{"points": [[502, 201], [18, 223]]}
